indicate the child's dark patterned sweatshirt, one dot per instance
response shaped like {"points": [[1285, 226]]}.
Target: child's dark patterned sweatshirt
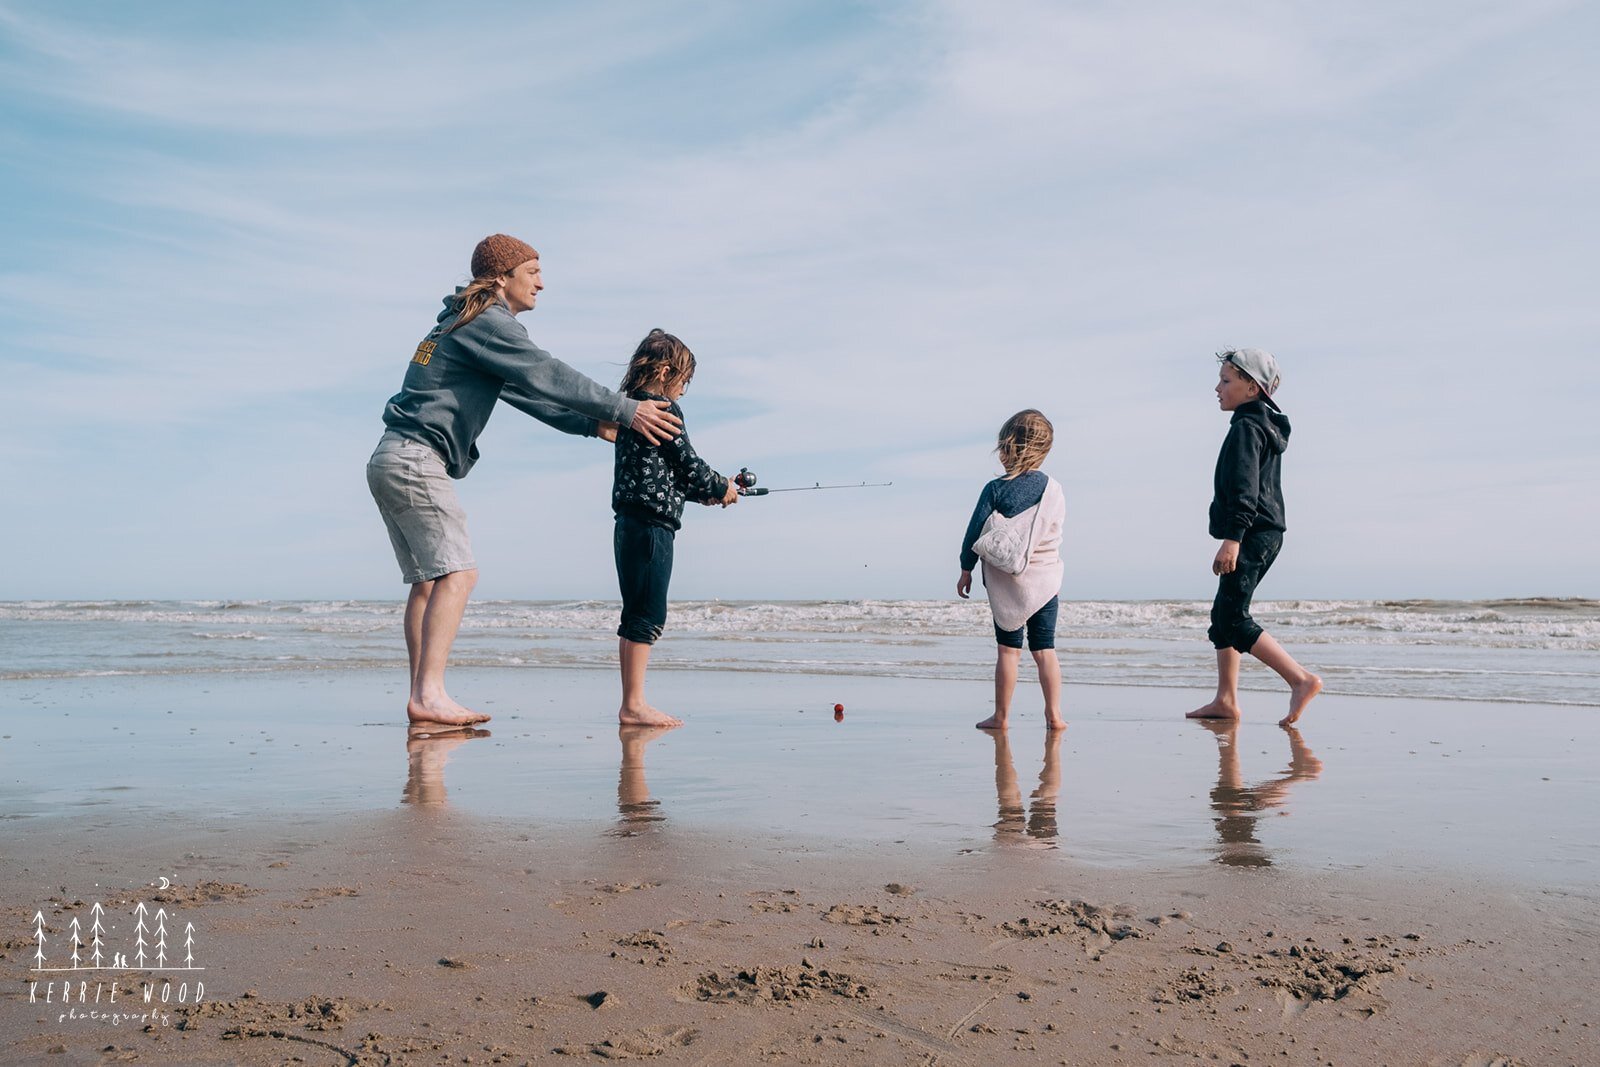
{"points": [[651, 482]]}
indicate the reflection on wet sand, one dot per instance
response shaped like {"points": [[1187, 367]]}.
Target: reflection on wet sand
{"points": [[635, 807], [1035, 824], [428, 749], [1238, 806]]}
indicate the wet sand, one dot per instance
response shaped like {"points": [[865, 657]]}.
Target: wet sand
{"points": [[768, 884]]}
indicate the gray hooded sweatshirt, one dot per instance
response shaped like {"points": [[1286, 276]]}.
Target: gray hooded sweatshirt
{"points": [[456, 376]]}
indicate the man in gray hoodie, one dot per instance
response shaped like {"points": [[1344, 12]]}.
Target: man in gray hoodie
{"points": [[476, 355]]}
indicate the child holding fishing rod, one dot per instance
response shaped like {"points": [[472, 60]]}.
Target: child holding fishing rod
{"points": [[650, 484], [1016, 530]]}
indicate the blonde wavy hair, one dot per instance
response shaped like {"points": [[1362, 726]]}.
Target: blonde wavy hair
{"points": [[661, 358], [471, 301], [1025, 441]]}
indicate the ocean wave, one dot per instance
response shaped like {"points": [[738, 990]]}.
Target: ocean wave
{"points": [[1537, 650], [1578, 613], [1573, 623]]}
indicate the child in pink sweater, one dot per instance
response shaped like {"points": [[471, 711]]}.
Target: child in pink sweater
{"points": [[1026, 602]]}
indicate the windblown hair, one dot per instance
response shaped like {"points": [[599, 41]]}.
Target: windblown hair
{"points": [[1227, 356], [1025, 441], [472, 300], [660, 359]]}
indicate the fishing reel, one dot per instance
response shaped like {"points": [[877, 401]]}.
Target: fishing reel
{"points": [[746, 481]]}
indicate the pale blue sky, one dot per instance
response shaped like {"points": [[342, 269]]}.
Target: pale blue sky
{"points": [[882, 227]]}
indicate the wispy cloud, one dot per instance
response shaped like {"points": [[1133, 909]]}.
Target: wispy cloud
{"points": [[884, 228]]}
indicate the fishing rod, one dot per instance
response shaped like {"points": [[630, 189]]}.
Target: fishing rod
{"points": [[746, 481]]}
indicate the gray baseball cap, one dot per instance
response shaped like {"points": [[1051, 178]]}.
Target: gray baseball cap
{"points": [[1257, 363]]}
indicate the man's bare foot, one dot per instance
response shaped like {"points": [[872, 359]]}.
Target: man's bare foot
{"points": [[444, 711], [637, 735], [646, 716], [435, 731], [427, 751], [1217, 709], [1053, 725], [1299, 696], [993, 722]]}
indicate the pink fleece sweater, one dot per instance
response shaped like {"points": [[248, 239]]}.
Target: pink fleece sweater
{"points": [[1015, 597]]}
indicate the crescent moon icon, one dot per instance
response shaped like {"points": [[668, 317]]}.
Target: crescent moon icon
{"points": [[164, 882]]}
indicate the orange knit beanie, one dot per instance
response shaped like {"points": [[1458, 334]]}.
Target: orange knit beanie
{"points": [[498, 253]]}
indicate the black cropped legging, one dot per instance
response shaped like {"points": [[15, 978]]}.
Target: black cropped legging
{"points": [[1231, 624]]}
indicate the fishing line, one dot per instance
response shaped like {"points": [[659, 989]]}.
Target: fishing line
{"points": [[746, 481]]}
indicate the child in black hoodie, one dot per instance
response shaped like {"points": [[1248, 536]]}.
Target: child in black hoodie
{"points": [[1247, 516]]}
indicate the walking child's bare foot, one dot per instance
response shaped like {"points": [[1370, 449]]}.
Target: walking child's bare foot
{"points": [[1053, 725], [1217, 709], [1299, 696], [993, 722], [444, 710], [646, 716]]}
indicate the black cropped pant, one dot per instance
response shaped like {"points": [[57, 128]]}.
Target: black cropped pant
{"points": [[644, 569], [1231, 624]]}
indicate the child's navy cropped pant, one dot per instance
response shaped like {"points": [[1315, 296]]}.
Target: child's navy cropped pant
{"points": [[644, 569]]}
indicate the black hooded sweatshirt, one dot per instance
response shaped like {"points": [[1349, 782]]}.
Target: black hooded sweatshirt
{"points": [[1248, 492]]}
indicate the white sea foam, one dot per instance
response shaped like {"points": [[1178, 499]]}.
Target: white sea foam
{"points": [[1514, 649]]}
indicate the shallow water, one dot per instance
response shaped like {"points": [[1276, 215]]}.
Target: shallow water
{"points": [[1532, 650], [1486, 790]]}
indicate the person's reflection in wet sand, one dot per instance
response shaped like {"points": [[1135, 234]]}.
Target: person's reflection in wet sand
{"points": [[635, 807], [1034, 824], [428, 749], [1238, 806]]}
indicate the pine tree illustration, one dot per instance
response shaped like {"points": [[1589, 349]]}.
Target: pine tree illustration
{"points": [[77, 941], [97, 930], [161, 937], [139, 932], [38, 935]]}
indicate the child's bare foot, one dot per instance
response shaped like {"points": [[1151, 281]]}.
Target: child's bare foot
{"points": [[442, 710], [993, 722], [645, 715], [1299, 696], [1055, 724], [1217, 709], [1302, 764], [635, 737]]}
